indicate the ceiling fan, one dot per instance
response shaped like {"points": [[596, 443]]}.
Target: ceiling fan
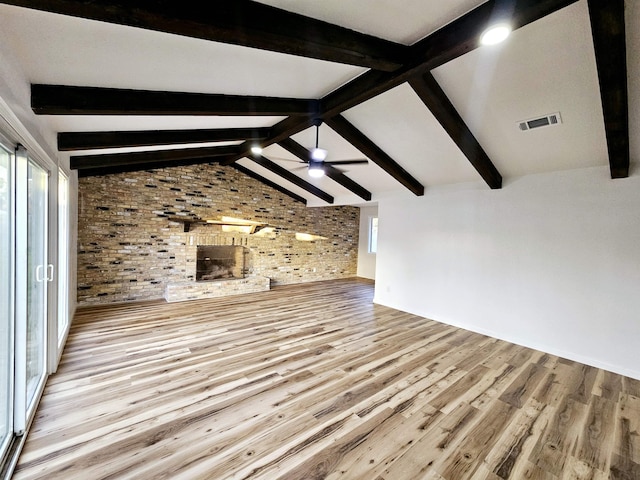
{"points": [[316, 162]]}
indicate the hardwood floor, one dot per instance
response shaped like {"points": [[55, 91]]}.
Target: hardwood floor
{"points": [[313, 381]]}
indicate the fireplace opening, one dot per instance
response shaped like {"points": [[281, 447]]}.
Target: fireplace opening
{"points": [[219, 262]]}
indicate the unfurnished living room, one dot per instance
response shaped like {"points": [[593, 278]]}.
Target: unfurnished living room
{"points": [[376, 240]]}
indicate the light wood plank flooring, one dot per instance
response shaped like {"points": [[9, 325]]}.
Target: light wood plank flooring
{"points": [[313, 381]]}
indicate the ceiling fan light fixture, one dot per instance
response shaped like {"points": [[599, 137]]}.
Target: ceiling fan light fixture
{"points": [[495, 34], [316, 169], [319, 154]]}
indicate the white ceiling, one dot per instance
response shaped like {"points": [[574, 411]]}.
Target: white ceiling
{"points": [[545, 67]]}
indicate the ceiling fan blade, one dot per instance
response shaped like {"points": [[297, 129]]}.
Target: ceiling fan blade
{"points": [[347, 162], [281, 159]]}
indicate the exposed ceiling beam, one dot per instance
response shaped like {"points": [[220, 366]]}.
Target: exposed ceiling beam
{"points": [[354, 136], [266, 181], [280, 131], [444, 45], [85, 162], [93, 172], [339, 177], [608, 31], [450, 42], [333, 173], [238, 22], [70, 141], [427, 88], [287, 175], [72, 100]]}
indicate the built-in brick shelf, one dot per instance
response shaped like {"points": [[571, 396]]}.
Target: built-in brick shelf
{"points": [[181, 291]]}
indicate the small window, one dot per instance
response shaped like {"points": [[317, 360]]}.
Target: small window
{"points": [[373, 234]]}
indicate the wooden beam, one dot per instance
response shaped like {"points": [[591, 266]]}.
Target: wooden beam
{"points": [[333, 173], [350, 133], [71, 141], [339, 177], [444, 45], [608, 31], [72, 100], [84, 162], [287, 175], [280, 131], [139, 167], [441, 107], [238, 22], [266, 181], [451, 41]]}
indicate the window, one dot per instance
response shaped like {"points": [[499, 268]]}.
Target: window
{"points": [[373, 234]]}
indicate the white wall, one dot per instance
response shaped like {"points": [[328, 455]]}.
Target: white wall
{"points": [[366, 260], [551, 261]]}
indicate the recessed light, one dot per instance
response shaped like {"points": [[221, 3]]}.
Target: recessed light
{"points": [[495, 34], [256, 150]]}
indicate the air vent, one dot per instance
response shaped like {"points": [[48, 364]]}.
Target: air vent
{"points": [[547, 121]]}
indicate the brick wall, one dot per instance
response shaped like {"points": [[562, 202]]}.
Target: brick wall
{"points": [[130, 246]]}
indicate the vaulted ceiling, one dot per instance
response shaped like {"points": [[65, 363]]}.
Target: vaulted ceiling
{"points": [[403, 83]]}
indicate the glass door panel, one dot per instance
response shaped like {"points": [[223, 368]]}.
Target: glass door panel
{"points": [[6, 302], [63, 257], [38, 273]]}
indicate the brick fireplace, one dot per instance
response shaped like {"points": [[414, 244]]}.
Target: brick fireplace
{"points": [[130, 246], [215, 262]]}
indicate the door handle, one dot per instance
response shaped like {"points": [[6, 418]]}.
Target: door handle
{"points": [[39, 271], [50, 273]]}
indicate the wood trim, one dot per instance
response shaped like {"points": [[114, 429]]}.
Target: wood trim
{"points": [[354, 136], [85, 162], [72, 100], [239, 22], [432, 95], [333, 173], [608, 30], [71, 141], [266, 181], [287, 175]]}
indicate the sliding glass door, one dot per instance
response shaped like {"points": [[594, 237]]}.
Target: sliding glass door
{"points": [[6, 302], [29, 329], [32, 274], [39, 272]]}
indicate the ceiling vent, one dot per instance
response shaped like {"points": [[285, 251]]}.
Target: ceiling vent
{"points": [[550, 120]]}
